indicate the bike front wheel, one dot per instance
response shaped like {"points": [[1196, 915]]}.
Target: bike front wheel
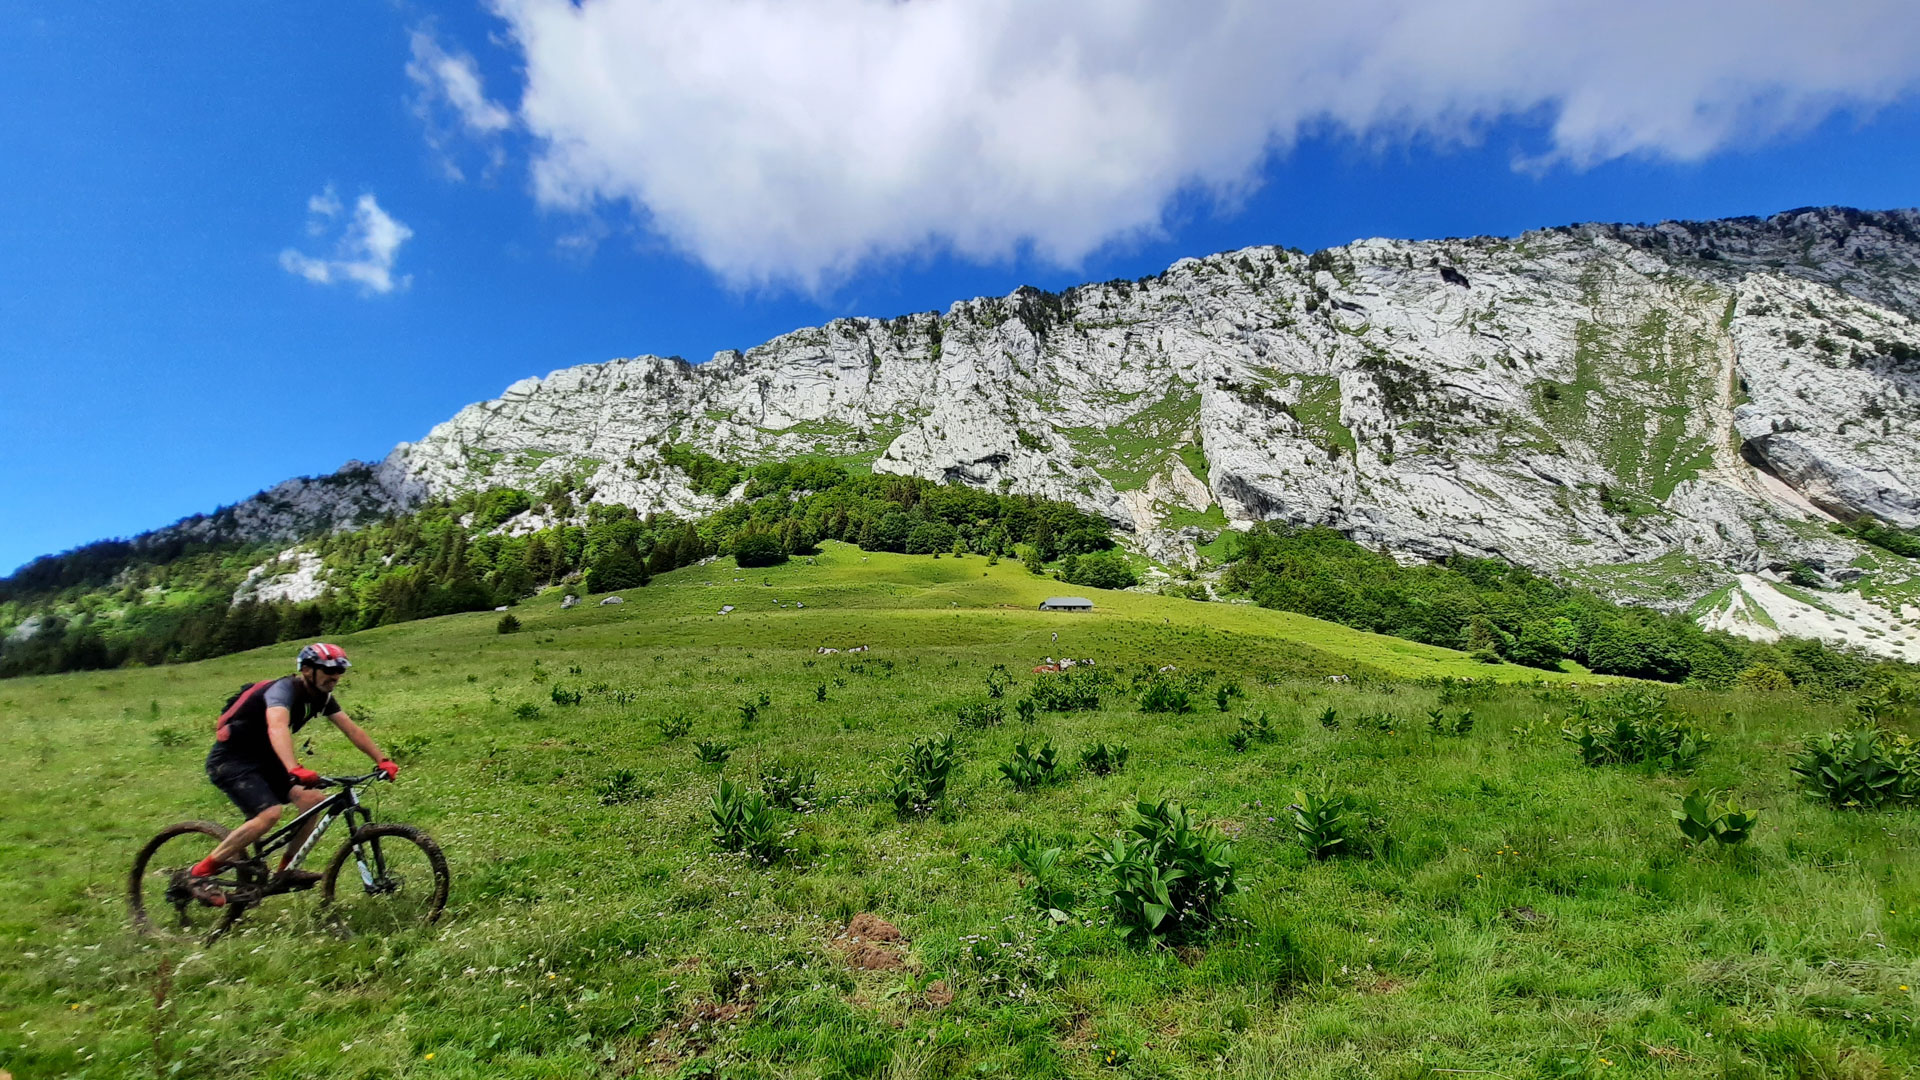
{"points": [[386, 878]]}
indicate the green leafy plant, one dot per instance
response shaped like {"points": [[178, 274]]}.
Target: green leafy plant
{"points": [[1329, 719], [1068, 691], [743, 821], [507, 624], [749, 714], [1635, 727], [621, 786], [1238, 741], [708, 752], [1222, 699], [1258, 727], [1860, 769], [1025, 710], [789, 786], [1459, 724], [820, 692], [1044, 889], [1166, 875], [1321, 823], [998, 681], [526, 710], [1103, 760], [920, 781], [563, 696], [171, 737], [981, 714], [673, 727], [1700, 819], [1027, 770], [1163, 696]]}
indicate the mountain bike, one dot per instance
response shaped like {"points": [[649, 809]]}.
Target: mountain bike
{"points": [[399, 877]]}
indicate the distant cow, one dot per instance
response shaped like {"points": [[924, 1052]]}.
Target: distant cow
{"points": [[824, 651], [858, 648], [1045, 669]]}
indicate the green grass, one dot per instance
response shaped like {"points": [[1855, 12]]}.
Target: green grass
{"points": [[1523, 917]]}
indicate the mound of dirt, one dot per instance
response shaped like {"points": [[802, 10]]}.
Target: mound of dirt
{"points": [[871, 943]]}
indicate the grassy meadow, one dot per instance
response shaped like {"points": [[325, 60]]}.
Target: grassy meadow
{"points": [[1509, 912]]}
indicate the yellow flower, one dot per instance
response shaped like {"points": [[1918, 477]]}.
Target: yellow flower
{"points": [[429, 1055]]}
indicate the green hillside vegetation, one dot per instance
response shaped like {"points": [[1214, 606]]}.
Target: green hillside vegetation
{"points": [[1457, 892], [117, 603], [1501, 612]]}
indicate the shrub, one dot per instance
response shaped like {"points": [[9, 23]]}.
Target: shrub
{"points": [[1043, 887], [708, 752], [1103, 760], [788, 786], [1329, 719], [981, 714], [1764, 677], [1027, 770], [757, 549], [1068, 691], [526, 710], [1700, 820], [920, 781], [1024, 709], [1460, 723], [673, 727], [170, 737], [1635, 727], [998, 681], [1258, 727], [1103, 570], [563, 696], [1862, 769], [507, 624], [1162, 696], [749, 713], [620, 786], [743, 821], [1238, 742], [1166, 875], [1320, 823]]}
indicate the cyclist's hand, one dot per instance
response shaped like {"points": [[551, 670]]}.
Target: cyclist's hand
{"points": [[388, 767], [304, 776]]}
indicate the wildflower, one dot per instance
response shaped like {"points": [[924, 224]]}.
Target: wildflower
{"points": [[429, 1056]]}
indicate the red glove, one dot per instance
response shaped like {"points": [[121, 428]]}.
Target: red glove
{"points": [[304, 776], [387, 767]]}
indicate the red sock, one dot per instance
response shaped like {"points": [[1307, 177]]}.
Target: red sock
{"points": [[205, 868]]}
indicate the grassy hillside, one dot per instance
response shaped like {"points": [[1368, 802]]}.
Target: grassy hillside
{"points": [[1514, 914]]}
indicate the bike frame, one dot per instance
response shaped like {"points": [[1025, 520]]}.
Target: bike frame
{"points": [[343, 804]]}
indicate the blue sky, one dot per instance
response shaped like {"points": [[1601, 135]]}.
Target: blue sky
{"points": [[185, 317]]}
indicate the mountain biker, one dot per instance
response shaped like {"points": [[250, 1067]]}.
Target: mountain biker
{"points": [[252, 763]]}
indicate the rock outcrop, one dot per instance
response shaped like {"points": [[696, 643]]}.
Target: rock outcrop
{"points": [[1650, 410]]}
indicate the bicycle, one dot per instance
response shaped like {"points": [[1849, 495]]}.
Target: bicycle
{"points": [[402, 874]]}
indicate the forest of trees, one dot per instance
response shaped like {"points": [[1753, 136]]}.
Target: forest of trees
{"points": [[120, 602], [1507, 613]]}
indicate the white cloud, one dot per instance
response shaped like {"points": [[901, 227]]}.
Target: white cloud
{"points": [[788, 141], [449, 83], [368, 244]]}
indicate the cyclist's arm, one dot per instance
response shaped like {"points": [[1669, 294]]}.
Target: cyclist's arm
{"points": [[280, 735], [356, 735]]}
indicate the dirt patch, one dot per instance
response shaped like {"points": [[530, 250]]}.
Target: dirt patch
{"points": [[1383, 985], [1231, 828], [869, 927], [939, 995], [871, 943], [1190, 954]]}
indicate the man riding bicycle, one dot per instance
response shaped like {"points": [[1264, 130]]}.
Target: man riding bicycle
{"points": [[252, 763]]}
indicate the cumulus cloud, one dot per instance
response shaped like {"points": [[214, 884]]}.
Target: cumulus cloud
{"points": [[452, 104], [363, 254], [788, 142]]}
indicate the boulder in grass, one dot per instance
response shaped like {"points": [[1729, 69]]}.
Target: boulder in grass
{"points": [[613, 600]]}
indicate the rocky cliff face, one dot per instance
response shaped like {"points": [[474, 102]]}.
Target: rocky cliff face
{"points": [[1653, 411]]}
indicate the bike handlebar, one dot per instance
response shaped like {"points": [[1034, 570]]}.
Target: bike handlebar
{"points": [[350, 781]]}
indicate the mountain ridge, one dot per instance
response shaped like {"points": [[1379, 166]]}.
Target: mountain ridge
{"points": [[1672, 413]]}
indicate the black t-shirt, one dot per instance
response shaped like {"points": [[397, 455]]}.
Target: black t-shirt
{"points": [[247, 730]]}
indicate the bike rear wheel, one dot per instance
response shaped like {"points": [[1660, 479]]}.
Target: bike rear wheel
{"points": [[395, 879], [157, 903]]}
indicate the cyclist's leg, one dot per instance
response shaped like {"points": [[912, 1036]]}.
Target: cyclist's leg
{"points": [[257, 797], [306, 799]]}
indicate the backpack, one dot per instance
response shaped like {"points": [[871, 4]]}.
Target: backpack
{"points": [[239, 700]]}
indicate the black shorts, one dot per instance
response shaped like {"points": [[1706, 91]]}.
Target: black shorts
{"points": [[253, 786]]}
